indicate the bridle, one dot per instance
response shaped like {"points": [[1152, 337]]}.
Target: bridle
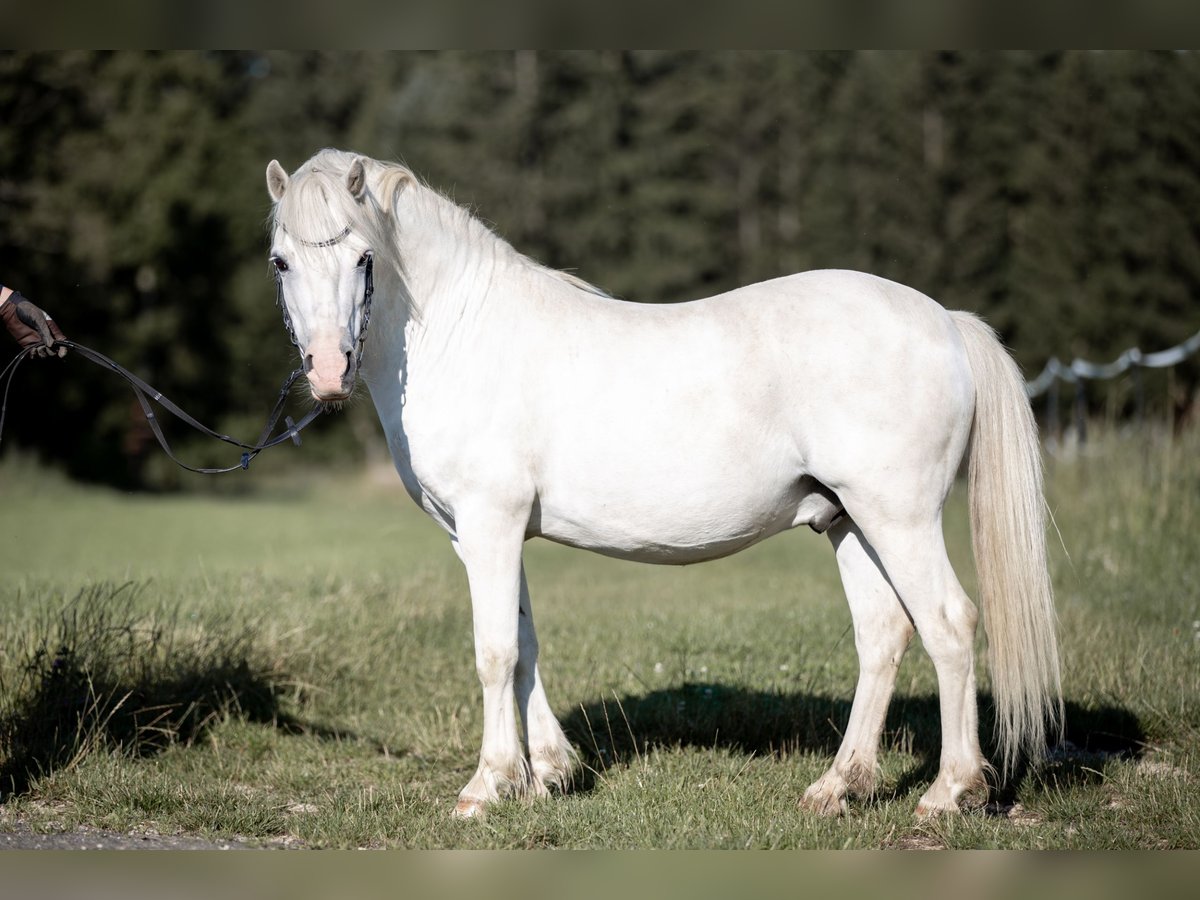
{"points": [[368, 291], [146, 394]]}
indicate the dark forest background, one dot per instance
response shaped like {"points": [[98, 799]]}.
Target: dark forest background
{"points": [[1057, 194]]}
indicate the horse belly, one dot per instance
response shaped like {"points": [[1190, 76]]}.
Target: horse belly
{"points": [[672, 521]]}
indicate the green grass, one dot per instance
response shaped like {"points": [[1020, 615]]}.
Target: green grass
{"points": [[295, 668]]}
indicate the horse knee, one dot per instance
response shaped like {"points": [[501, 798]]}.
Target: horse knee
{"points": [[881, 648], [959, 621], [496, 664], [950, 636]]}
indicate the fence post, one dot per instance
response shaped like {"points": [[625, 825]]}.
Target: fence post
{"points": [[1081, 369], [1080, 411], [1052, 413], [1139, 395]]}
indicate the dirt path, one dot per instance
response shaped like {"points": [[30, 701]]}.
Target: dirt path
{"points": [[20, 837]]}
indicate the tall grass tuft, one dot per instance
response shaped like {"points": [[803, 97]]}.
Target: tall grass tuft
{"points": [[95, 674]]}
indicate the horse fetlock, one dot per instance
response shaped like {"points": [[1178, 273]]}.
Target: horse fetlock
{"points": [[953, 792], [553, 765], [508, 776], [860, 778]]}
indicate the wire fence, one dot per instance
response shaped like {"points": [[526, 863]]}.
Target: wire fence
{"points": [[1080, 371]]}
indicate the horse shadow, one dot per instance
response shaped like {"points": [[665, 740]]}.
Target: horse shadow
{"points": [[616, 731]]}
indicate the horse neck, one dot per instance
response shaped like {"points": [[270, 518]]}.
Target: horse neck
{"points": [[455, 271]]}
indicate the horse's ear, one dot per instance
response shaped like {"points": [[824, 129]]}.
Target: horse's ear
{"points": [[277, 180], [356, 178]]}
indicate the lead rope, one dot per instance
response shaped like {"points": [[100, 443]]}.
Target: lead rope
{"points": [[145, 393]]}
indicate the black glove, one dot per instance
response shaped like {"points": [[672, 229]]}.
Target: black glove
{"points": [[31, 327]]}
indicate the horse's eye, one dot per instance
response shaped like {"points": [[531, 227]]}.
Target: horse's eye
{"points": [[364, 259], [279, 263]]}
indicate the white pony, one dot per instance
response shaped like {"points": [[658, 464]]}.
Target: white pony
{"points": [[521, 402]]}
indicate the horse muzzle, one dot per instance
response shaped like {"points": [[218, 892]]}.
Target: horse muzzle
{"points": [[331, 371]]}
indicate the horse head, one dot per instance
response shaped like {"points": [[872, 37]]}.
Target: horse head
{"points": [[322, 254]]}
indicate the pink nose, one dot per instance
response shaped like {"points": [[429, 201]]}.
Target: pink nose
{"points": [[330, 373]]}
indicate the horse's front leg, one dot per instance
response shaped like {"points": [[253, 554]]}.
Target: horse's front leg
{"points": [[551, 756], [489, 542]]}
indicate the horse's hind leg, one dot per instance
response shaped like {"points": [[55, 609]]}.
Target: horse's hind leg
{"points": [[882, 631], [551, 756], [913, 553]]}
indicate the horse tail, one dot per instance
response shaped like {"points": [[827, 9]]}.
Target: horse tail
{"points": [[1008, 535]]}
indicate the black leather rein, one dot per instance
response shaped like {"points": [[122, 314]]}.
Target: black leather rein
{"points": [[146, 394]]}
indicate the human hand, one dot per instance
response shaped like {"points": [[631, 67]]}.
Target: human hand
{"points": [[32, 327]]}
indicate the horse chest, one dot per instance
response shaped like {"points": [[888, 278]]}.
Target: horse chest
{"points": [[443, 450]]}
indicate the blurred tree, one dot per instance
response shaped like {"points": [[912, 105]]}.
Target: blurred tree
{"points": [[1056, 193], [1051, 225], [1140, 281], [122, 222], [873, 199], [987, 102]]}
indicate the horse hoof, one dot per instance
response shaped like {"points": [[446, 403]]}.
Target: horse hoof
{"points": [[824, 804], [931, 811], [470, 808]]}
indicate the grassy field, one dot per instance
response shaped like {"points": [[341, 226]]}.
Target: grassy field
{"points": [[294, 668]]}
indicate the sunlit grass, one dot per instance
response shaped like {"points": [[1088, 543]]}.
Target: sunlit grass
{"points": [[295, 667]]}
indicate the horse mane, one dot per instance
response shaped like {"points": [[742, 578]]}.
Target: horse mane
{"points": [[317, 208], [573, 280]]}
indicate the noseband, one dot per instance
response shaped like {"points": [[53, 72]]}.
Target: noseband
{"points": [[368, 292]]}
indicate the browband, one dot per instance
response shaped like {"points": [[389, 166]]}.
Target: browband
{"points": [[329, 242]]}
